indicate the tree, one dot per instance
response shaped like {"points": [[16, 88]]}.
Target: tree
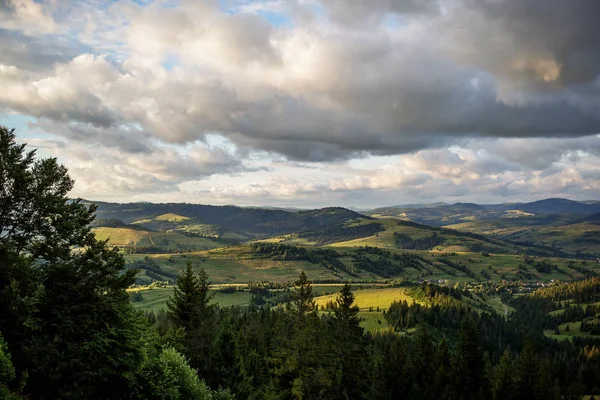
{"points": [[190, 309], [502, 380], [303, 357], [64, 309], [303, 302], [184, 305], [443, 369], [350, 345], [37, 220], [469, 367], [527, 372], [421, 365], [7, 372], [169, 376]]}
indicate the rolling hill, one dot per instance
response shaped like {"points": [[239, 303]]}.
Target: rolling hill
{"points": [[450, 214], [237, 245], [235, 222]]}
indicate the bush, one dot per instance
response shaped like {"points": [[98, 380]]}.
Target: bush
{"points": [[169, 376], [186, 380], [7, 372]]}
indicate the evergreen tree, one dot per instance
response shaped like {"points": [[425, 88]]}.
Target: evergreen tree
{"points": [[189, 309], [303, 302], [65, 314], [184, 305], [303, 357], [442, 369], [422, 369], [350, 345], [469, 376], [502, 380], [526, 373]]}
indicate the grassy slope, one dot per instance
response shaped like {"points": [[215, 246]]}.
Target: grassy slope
{"points": [[385, 239], [141, 238], [578, 237], [374, 298], [237, 264], [170, 217], [156, 298]]}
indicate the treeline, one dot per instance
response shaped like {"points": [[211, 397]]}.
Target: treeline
{"points": [[341, 233], [404, 241], [152, 269], [385, 263], [576, 312], [116, 223], [502, 246], [455, 352], [240, 220], [459, 267], [586, 291], [327, 258]]}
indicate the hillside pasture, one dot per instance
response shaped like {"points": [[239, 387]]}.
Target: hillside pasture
{"points": [[371, 298], [156, 298], [166, 241]]}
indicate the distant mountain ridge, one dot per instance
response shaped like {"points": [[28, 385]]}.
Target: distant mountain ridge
{"points": [[245, 222], [544, 206], [558, 206], [448, 214]]}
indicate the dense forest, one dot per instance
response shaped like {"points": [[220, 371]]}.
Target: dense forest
{"points": [[68, 329]]}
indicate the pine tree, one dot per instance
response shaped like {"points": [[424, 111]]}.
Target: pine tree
{"points": [[65, 314], [303, 302], [350, 345], [184, 305], [442, 369], [469, 367], [189, 308], [422, 368], [303, 357], [526, 373], [502, 380]]}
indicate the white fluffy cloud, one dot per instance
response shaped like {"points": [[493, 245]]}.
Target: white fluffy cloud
{"points": [[473, 99]]}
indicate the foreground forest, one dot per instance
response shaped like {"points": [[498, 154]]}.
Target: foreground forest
{"points": [[69, 328]]}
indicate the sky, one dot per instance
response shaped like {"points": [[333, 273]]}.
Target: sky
{"points": [[308, 103]]}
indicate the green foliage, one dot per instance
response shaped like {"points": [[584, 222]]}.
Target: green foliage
{"points": [[64, 313], [189, 309], [404, 241], [7, 373], [349, 347], [469, 366], [169, 377]]}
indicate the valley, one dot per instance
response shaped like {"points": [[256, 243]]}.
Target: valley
{"points": [[499, 246]]}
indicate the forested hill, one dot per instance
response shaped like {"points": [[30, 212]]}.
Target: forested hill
{"points": [[240, 220], [448, 214]]}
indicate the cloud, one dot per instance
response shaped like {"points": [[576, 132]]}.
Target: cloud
{"points": [[110, 173], [27, 15], [330, 89], [472, 96]]}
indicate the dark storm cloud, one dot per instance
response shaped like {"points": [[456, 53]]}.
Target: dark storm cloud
{"points": [[564, 30]]}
